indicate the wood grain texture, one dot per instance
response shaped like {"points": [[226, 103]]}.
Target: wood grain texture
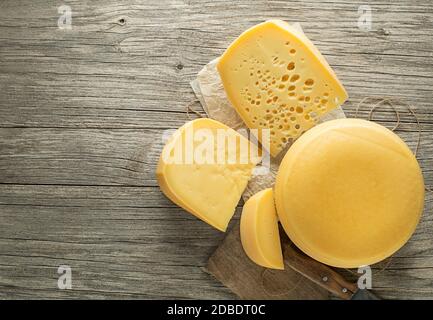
{"points": [[82, 112], [232, 267]]}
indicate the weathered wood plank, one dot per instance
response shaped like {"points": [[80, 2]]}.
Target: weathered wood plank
{"points": [[115, 236], [109, 157], [118, 242], [81, 117], [102, 74]]}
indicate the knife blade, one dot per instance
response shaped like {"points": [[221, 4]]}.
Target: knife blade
{"points": [[323, 275]]}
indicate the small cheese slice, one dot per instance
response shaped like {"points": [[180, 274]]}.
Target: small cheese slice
{"points": [[349, 193], [259, 230], [277, 79], [209, 178]]}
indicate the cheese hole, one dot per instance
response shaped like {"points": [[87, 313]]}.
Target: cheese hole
{"points": [[281, 86], [309, 82], [299, 109], [292, 109], [294, 78], [292, 51], [275, 98], [307, 117], [291, 66], [291, 88], [285, 78], [297, 126]]}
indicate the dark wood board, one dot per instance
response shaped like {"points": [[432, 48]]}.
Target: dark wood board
{"points": [[231, 266]]}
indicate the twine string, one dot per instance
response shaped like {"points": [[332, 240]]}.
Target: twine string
{"points": [[409, 108], [189, 109]]}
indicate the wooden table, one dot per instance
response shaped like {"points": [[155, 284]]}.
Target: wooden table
{"points": [[82, 112]]}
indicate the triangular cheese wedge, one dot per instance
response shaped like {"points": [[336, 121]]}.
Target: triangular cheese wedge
{"points": [[276, 79], [203, 173]]}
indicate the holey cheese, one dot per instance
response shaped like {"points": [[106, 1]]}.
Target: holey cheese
{"points": [[259, 230], [204, 168], [277, 79], [349, 192]]}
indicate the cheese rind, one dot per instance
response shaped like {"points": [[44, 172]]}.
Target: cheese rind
{"points": [[277, 79], [259, 230], [349, 193], [209, 190]]}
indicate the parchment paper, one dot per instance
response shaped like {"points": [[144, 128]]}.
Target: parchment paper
{"points": [[210, 92]]}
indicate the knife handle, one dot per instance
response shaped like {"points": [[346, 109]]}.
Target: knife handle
{"points": [[319, 273]]}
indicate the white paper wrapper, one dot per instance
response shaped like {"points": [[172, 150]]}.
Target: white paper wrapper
{"points": [[210, 92]]}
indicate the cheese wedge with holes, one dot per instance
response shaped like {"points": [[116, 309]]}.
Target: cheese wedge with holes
{"points": [[277, 79], [259, 230], [349, 193], [204, 168]]}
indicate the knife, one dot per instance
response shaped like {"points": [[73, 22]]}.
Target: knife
{"points": [[323, 275]]}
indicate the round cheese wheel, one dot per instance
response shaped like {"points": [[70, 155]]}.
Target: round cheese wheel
{"points": [[349, 193]]}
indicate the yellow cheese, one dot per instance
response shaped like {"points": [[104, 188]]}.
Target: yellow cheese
{"points": [[277, 79], [259, 230], [209, 188], [349, 192]]}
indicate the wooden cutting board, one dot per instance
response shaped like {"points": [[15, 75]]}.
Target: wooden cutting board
{"points": [[230, 265]]}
